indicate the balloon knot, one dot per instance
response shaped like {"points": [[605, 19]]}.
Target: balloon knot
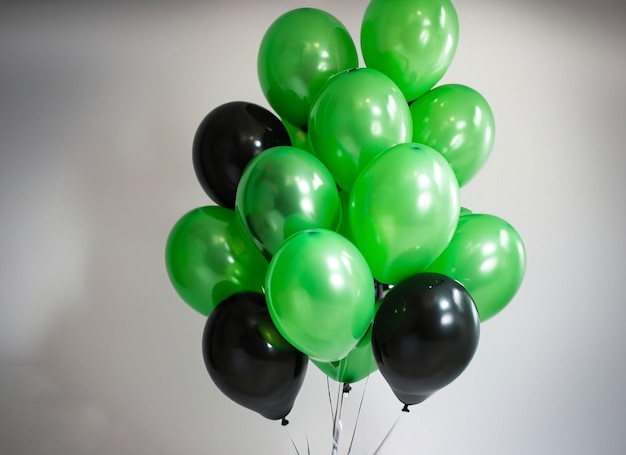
{"points": [[405, 408], [284, 422], [346, 388]]}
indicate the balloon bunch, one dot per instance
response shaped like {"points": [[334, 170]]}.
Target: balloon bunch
{"points": [[338, 234]]}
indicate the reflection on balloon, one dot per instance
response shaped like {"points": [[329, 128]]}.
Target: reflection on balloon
{"points": [[248, 360], [320, 294], [209, 257], [486, 255], [225, 142], [425, 334]]}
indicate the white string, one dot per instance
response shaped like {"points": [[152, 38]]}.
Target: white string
{"points": [[336, 436], [330, 400], [337, 426], [387, 435], [292, 441], [356, 423]]}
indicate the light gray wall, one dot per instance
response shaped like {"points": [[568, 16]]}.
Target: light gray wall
{"points": [[99, 103]]}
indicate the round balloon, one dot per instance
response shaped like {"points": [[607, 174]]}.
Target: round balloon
{"points": [[320, 294], [425, 334], [225, 142], [411, 41], [299, 52], [209, 257], [486, 255], [358, 114], [248, 360], [456, 121], [404, 208], [283, 191]]}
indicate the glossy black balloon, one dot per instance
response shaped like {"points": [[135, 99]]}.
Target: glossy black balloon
{"points": [[248, 359], [425, 333], [225, 142]]}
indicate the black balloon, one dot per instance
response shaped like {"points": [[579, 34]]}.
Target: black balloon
{"points": [[425, 333], [225, 142], [248, 359]]}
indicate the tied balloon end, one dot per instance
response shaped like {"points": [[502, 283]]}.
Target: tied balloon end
{"points": [[346, 388], [405, 408], [284, 422]]}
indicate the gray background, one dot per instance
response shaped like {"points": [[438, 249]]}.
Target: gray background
{"points": [[98, 106]]}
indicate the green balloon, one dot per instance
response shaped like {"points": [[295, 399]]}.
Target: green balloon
{"points": [[412, 41], [464, 211], [357, 365], [209, 257], [320, 294], [299, 138], [282, 191], [456, 121], [359, 114], [344, 225], [299, 52], [404, 208], [487, 256]]}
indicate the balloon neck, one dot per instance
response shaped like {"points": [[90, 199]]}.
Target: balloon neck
{"points": [[346, 388], [284, 422], [405, 408]]}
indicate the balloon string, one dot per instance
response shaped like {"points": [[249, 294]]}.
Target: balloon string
{"points": [[337, 409], [387, 435], [292, 441], [356, 423], [337, 427], [330, 400]]}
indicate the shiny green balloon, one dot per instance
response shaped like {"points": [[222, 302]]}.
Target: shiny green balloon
{"points": [[299, 52], [464, 211], [412, 41], [456, 121], [320, 294], [209, 257], [299, 138], [487, 256], [359, 114], [282, 191], [357, 365], [404, 208]]}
